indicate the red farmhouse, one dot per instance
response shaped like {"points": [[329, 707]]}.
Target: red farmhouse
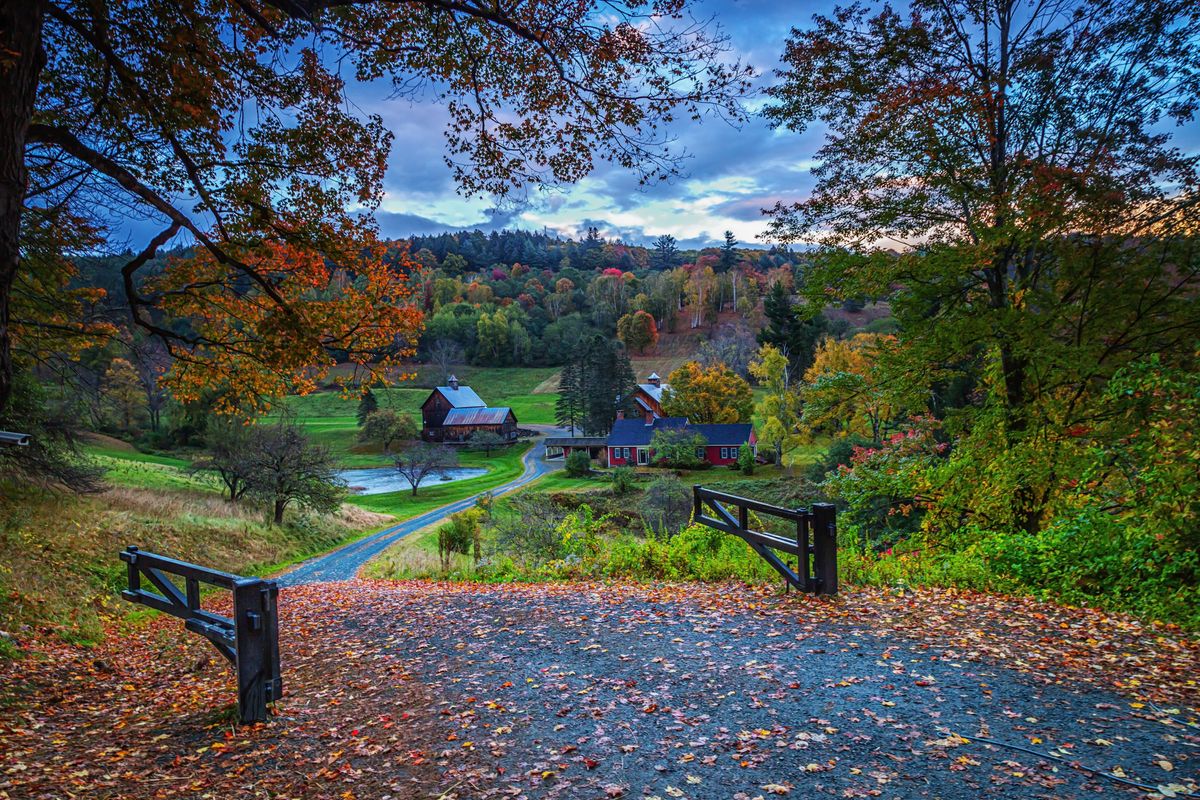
{"points": [[629, 442]]}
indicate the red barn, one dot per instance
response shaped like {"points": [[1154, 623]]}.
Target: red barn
{"points": [[452, 413]]}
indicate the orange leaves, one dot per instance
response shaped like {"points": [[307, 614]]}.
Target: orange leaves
{"points": [[252, 337]]}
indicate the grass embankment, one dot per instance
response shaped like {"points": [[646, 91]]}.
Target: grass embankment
{"points": [[504, 465], [59, 571], [329, 417]]}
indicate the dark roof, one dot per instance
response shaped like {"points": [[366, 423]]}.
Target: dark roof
{"points": [[725, 434], [462, 397], [636, 433], [576, 441], [630, 432], [477, 416]]}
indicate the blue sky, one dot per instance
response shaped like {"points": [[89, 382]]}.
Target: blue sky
{"points": [[730, 173]]}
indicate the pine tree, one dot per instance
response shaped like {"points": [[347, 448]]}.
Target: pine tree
{"points": [[794, 335], [366, 405], [728, 256], [606, 385], [665, 252], [568, 410]]}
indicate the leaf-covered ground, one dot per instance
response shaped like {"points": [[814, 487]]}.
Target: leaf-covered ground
{"points": [[586, 691]]}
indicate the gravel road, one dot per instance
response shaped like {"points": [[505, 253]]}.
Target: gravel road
{"points": [[344, 563]]}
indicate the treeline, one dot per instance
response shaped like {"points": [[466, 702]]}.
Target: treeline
{"points": [[484, 309]]}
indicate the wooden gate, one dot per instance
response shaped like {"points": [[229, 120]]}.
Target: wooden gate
{"points": [[250, 640], [814, 543]]}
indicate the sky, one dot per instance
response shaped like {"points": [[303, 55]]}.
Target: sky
{"points": [[729, 174]]}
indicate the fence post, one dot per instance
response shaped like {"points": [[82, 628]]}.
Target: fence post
{"points": [[253, 614], [824, 517]]}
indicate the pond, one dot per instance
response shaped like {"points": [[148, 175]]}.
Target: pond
{"points": [[387, 479]]}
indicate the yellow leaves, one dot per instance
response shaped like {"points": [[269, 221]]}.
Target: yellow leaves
{"points": [[776, 788]]}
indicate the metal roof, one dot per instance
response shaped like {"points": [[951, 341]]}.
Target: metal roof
{"points": [[478, 416], [462, 397], [654, 391]]}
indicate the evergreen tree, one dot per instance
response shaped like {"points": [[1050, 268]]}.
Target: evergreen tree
{"points": [[795, 335], [728, 256], [665, 252], [366, 405], [568, 411], [606, 384]]}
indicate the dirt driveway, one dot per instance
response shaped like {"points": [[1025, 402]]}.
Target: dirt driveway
{"points": [[398, 690]]}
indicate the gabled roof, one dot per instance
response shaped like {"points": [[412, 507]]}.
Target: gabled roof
{"points": [[462, 397], [635, 433], [477, 416], [575, 441], [654, 391], [724, 434]]}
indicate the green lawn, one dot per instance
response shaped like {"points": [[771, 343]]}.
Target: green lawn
{"points": [[503, 465], [329, 417], [145, 471]]}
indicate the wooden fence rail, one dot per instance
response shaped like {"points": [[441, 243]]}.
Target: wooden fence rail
{"points": [[249, 640], [814, 543]]}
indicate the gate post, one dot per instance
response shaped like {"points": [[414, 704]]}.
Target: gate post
{"points": [[257, 660], [824, 516]]}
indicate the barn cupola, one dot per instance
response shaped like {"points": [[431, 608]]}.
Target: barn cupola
{"points": [[654, 380], [452, 382]]}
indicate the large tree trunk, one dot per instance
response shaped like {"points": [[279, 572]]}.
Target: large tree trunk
{"points": [[20, 66], [280, 505]]}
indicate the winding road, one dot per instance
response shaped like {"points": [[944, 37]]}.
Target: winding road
{"points": [[344, 563]]}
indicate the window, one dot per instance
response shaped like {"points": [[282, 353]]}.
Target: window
{"points": [[724, 452], [700, 452]]}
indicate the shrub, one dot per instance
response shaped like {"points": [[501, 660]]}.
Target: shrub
{"points": [[745, 459], [623, 479], [578, 465], [666, 505]]}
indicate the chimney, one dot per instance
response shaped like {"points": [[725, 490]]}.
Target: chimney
{"points": [[654, 380], [452, 382], [620, 415]]}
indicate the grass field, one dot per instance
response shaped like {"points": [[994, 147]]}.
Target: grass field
{"points": [[329, 417]]}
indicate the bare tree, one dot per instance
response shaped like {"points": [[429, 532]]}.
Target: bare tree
{"points": [[228, 456], [422, 460], [285, 468], [445, 354]]}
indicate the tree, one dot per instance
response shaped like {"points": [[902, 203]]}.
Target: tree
{"points": [[123, 393], [227, 453], [678, 447], [136, 111], [367, 405], [422, 460], [284, 468], [569, 408], [795, 335], [606, 384], [666, 505], [666, 252], [445, 354], [460, 535], [706, 395], [779, 409], [637, 331], [1054, 215], [728, 253], [745, 459], [385, 427], [487, 441], [842, 390]]}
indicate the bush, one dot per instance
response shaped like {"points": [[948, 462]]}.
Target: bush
{"points": [[623, 479], [667, 505], [578, 465], [745, 459]]}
